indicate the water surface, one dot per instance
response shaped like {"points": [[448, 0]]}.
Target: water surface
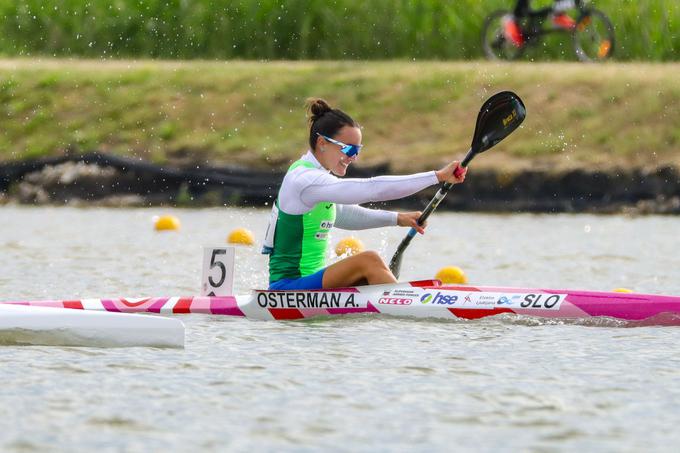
{"points": [[358, 383]]}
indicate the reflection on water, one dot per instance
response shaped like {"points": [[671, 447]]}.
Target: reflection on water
{"points": [[353, 383]]}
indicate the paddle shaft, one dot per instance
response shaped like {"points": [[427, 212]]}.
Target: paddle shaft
{"points": [[395, 262]]}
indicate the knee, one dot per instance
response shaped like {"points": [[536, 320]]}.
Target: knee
{"points": [[372, 260]]}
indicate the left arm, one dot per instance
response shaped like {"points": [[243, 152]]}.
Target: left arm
{"points": [[355, 217]]}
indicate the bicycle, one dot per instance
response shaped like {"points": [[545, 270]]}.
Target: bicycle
{"points": [[591, 30]]}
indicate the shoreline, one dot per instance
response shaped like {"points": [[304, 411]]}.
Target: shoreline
{"points": [[100, 179]]}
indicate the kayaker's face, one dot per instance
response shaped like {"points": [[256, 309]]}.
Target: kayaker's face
{"points": [[330, 155]]}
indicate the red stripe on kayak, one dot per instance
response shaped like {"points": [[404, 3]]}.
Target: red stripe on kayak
{"points": [[471, 289], [183, 305], [281, 314], [425, 283], [134, 304], [78, 305], [476, 313]]}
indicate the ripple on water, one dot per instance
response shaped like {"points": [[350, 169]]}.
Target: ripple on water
{"points": [[119, 422], [418, 370], [26, 446], [12, 245]]}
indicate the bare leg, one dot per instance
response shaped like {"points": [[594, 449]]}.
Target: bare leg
{"points": [[365, 267]]}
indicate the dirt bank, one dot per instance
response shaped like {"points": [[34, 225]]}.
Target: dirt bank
{"points": [[101, 179]]}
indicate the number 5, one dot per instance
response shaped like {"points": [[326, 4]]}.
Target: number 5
{"points": [[219, 264]]}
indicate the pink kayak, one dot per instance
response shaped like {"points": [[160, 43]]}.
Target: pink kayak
{"points": [[421, 299]]}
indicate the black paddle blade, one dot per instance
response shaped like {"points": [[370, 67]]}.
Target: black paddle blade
{"points": [[501, 114]]}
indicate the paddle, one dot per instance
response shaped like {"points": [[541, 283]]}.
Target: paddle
{"points": [[501, 114]]}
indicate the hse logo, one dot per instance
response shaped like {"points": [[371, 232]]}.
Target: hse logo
{"points": [[438, 299]]}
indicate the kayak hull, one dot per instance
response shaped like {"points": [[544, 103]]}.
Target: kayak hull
{"points": [[414, 299], [55, 326]]}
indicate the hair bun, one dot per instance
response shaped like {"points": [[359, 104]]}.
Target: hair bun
{"points": [[325, 120], [317, 107]]}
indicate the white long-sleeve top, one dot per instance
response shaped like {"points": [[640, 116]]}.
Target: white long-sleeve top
{"points": [[304, 187]]}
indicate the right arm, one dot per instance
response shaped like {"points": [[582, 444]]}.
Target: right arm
{"points": [[325, 187], [301, 191]]}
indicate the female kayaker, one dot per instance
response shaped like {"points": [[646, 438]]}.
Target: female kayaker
{"points": [[311, 201]]}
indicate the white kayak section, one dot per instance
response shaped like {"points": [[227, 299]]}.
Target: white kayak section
{"points": [[29, 325]]}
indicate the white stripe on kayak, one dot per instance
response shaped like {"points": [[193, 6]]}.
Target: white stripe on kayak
{"points": [[169, 305], [92, 304]]}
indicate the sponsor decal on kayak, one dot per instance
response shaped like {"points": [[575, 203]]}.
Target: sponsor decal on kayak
{"points": [[404, 292], [400, 296], [510, 299], [395, 301], [305, 299], [531, 301], [438, 298], [543, 301], [480, 300]]}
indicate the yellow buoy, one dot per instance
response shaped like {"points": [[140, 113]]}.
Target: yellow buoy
{"points": [[241, 236], [349, 246], [167, 223], [451, 274], [623, 290]]}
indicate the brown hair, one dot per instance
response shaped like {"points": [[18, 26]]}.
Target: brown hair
{"points": [[325, 120]]}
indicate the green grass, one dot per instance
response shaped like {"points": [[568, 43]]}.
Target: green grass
{"points": [[300, 29], [414, 115]]}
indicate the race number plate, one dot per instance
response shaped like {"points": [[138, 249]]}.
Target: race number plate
{"points": [[217, 278]]}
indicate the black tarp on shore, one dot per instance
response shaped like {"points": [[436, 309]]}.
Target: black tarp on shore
{"points": [[528, 191]]}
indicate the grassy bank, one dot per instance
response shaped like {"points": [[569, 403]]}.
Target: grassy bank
{"points": [[300, 29], [414, 114]]}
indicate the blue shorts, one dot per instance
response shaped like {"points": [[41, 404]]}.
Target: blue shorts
{"points": [[314, 281]]}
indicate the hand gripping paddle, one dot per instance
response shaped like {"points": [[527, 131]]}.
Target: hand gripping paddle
{"points": [[501, 114]]}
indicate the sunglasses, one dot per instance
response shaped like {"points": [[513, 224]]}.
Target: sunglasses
{"points": [[347, 150]]}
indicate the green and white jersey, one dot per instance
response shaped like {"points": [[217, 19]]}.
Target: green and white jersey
{"points": [[311, 201], [301, 240]]}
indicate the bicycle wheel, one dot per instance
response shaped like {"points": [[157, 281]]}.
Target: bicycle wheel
{"points": [[494, 42], [593, 36]]}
